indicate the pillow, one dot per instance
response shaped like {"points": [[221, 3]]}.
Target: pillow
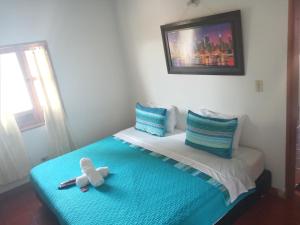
{"points": [[171, 116], [213, 135], [151, 120], [238, 131]]}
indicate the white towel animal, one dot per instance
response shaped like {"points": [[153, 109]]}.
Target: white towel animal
{"points": [[104, 171], [88, 169], [86, 164], [94, 177], [83, 180]]}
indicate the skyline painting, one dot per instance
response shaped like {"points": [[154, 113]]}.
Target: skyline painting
{"points": [[209, 45]]}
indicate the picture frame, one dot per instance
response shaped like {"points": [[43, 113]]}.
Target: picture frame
{"points": [[211, 45]]}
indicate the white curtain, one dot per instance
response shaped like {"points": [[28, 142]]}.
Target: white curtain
{"points": [[14, 163], [55, 118]]}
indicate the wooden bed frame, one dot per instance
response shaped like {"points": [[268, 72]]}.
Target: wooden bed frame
{"points": [[263, 185]]}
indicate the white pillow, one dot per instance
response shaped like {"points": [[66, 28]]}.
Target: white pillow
{"points": [[171, 116], [238, 131]]}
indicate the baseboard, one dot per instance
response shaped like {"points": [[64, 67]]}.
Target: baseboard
{"points": [[277, 192], [13, 185]]}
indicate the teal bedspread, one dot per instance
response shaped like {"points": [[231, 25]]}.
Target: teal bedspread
{"points": [[143, 188]]}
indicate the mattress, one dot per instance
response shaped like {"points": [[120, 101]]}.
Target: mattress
{"points": [[137, 191], [237, 174]]}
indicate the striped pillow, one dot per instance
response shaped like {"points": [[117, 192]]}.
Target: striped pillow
{"points": [[213, 135], [151, 120]]}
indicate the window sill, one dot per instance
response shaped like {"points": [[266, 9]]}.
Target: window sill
{"points": [[32, 126]]}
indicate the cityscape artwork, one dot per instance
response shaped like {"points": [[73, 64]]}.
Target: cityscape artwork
{"points": [[207, 45]]}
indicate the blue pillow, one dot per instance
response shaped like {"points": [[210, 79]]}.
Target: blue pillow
{"points": [[213, 135], [151, 120]]}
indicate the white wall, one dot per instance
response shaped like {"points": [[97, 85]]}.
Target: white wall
{"points": [[84, 45], [265, 45]]}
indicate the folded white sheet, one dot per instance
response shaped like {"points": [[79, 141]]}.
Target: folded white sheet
{"points": [[233, 173]]}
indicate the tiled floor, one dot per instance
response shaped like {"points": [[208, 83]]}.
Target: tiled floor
{"points": [[21, 207]]}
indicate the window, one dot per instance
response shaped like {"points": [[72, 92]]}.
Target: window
{"points": [[23, 91]]}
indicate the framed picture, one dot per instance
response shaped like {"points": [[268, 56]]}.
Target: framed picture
{"points": [[210, 45]]}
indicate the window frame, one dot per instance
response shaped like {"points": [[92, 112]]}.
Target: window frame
{"points": [[32, 118]]}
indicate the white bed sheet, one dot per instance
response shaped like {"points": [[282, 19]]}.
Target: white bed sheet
{"points": [[237, 174]]}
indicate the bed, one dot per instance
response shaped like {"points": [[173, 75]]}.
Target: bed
{"points": [[153, 180]]}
